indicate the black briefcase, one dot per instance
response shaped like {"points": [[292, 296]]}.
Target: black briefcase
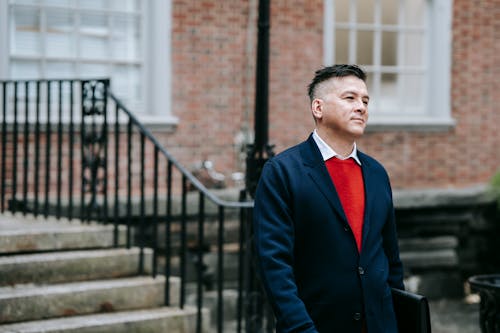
{"points": [[412, 312]]}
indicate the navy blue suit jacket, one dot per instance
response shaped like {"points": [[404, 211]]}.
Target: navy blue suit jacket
{"points": [[314, 276]]}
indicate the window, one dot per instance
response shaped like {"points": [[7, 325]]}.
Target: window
{"points": [[120, 39], [405, 48]]}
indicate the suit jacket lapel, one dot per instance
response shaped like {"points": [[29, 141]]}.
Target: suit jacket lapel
{"points": [[370, 196], [319, 174]]}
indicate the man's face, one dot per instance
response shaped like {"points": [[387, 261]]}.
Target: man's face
{"points": [[341, 106]]}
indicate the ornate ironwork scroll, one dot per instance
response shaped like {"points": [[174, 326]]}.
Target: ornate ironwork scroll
{"points": [[94, 149]]}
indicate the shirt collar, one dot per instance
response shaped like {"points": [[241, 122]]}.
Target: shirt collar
{"points": [[327, 152]]}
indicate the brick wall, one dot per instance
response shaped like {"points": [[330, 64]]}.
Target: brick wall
{"points": [[214, 46], [469, 153]]}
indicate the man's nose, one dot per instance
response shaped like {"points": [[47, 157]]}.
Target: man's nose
{"points": [[361, 107]]}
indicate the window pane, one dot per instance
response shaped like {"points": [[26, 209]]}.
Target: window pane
{"points": [[125, 84], [390, 9], [414, 12], [365, 48], [94, 41], [94, 4], [125, 5], [369, 81], [366, 9], [126, 38], [412, 90], [388, 92], [27, 2], [95, 24], [25, 69], [123, 75], [60, 41], [342, 46], [26, 39], [61, 70], [370, 84], [388, 83], [389, 48], [59, 21], [341, 11], [414, 44], [93, 47], [93, 71], [63, 3]]}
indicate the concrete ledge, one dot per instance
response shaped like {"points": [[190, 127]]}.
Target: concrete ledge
{"points": [[427, 198]]}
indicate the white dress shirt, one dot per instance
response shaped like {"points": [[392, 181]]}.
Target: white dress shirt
{"points": [[327, 152]]}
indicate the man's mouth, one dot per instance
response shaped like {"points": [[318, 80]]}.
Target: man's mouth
{"points": [[359, 120]]}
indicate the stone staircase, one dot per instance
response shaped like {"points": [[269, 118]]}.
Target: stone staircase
{"points": [[62, 276], [432, 265]]}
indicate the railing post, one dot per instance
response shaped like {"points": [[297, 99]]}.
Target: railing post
{"points": [[4, 148]]}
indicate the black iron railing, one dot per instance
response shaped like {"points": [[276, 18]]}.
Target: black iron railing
{"points": [[70, 148]]}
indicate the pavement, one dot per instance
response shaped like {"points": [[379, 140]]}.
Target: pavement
{"points": [[455, 315]]}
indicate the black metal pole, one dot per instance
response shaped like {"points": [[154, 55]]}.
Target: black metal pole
{"points": [[260, 151], [262, 77], [257, 155]]}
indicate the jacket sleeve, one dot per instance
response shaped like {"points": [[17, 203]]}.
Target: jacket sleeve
{"points": [[274, 246], [391, 248]]}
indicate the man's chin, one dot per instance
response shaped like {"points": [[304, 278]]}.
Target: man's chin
{"points": [[358, 131]]}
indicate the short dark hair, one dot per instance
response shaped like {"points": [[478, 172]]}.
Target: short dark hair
{"points": [[340, 70]]}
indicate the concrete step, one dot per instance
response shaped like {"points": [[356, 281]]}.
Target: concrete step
{"points": [[210, 302], [210, 231], [431, 259], [210, 263], [429, 252], [58, 267], [164, 319], [428, 243], [29, 234], [34, 302]]}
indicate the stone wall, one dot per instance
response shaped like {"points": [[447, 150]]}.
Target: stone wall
{"points": [[447, 236]]}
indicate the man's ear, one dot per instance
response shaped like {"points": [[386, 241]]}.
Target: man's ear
{"points": [[317, 108]]}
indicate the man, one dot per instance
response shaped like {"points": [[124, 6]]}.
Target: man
{"points": [[325, 234]]}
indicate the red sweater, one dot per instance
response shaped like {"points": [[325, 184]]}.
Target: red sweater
{"points": [[348, 180]]}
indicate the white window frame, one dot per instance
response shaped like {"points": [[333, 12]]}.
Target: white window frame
{"points": [[437, 68], [156, 71]]}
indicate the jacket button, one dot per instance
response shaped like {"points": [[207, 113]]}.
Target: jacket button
{"points": [[361, 271], [357, 316]]}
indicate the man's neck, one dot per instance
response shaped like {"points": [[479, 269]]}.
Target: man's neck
{"points": [[342, 146]]}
